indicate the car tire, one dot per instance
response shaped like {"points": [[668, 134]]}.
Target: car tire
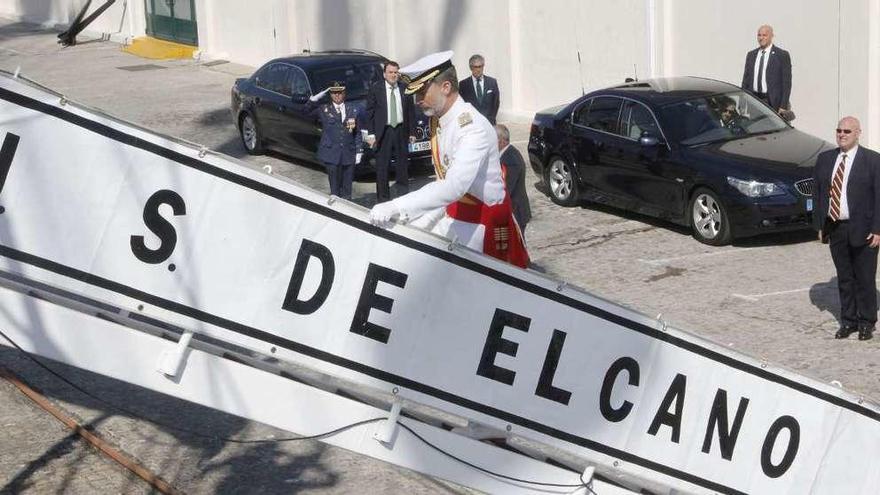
{"points": [[561, 182], [251, 137], [709, 220]]}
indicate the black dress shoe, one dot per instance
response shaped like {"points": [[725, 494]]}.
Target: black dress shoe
{"points": [[844, 332], [866, 333]]}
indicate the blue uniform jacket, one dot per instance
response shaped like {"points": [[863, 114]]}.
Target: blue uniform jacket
{"points": [[338, 145]]}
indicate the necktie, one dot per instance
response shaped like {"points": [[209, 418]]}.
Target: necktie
{"points": [[480, 90], [393, 118], [760, 85], [836, 188]]}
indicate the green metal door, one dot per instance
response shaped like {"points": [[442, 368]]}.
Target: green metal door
{"points": [[172, 20]]}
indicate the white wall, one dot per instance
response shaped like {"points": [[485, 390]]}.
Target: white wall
{"points": [[532, 46], [62, 12]]}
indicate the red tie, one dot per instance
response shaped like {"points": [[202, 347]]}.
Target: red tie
{"points": [[836, 188]]}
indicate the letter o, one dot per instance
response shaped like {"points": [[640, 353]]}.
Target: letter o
{"points": [[794, 429]]}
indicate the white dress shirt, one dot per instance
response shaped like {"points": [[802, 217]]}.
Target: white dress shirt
{"points": [[388, 102], [341, 109], [468, 150], [850, 158], [758, 67]]}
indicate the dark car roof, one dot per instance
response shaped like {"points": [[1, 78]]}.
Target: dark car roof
{"points": [[663, 90], [318, 60]]}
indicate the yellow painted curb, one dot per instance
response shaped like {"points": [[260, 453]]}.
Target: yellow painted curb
{"points": [[148, 47]]}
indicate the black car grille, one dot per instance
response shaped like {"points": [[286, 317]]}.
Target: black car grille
{"points": [[805, 187]]}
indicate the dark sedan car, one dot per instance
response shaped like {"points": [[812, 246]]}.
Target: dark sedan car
{"points": [[697, 152], [268, 108]]}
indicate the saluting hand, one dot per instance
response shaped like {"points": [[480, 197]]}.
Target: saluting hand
{"points": [[319, 95]]}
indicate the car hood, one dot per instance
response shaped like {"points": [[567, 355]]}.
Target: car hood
{"points": [[788, 150]]}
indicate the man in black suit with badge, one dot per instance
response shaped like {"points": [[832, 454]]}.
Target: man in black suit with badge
{"points": [[480, 90], [847, 216], [390, 117], [767, 73]]}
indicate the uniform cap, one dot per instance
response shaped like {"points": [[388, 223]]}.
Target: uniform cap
{"points": [[337, 87], [422, 71]]}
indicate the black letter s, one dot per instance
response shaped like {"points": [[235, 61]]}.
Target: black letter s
{"points": [[158, 226]]}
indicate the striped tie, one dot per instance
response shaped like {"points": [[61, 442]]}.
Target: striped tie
{"points": [[836, 188]]}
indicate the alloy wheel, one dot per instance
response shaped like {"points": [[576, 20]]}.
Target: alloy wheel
{"points": [[560, 181], [709, 220]]}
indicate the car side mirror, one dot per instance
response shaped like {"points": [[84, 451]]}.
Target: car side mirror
{"points": [[648, 140], [299, 98]]}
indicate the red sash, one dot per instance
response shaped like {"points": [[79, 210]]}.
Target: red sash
{"points": [[502, 239]]}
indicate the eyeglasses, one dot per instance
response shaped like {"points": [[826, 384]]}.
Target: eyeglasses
{"points": [[844, 131]]}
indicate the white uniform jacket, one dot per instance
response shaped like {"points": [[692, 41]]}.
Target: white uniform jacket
{"points": [[468, 150]]}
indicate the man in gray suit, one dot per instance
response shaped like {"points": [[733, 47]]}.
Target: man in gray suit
{"points": [[514, 169], [480, 90], [767, 73]]}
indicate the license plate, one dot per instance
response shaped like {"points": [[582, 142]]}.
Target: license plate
{"points": [[810, 204], [420, 146]]}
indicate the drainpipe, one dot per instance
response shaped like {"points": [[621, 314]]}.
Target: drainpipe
{"points": [[873, 117], [651, 6]]}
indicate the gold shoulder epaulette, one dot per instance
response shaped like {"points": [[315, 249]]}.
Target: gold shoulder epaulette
{"points": [[465, 119]]}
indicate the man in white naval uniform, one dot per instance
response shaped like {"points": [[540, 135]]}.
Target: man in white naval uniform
{"points": [[468, 202]]}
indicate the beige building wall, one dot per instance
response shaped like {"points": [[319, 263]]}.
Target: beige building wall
{"points": [[548, 52]]}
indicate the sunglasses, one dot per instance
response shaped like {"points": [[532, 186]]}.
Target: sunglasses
{"points": [[844, 131]]}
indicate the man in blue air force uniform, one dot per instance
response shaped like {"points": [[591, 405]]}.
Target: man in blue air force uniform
{"points": [[339, 139]]}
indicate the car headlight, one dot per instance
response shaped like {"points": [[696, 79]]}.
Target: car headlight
{"points": [[755, 189]]}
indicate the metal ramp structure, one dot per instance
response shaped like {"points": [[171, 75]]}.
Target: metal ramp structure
{"points": [[162, 264]]}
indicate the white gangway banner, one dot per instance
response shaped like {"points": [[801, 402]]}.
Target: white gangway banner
{"points": [[103, 208]]}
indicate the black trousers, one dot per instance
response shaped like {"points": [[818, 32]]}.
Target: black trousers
{"points": [[341, 177], [393, 146], [856, 275]]}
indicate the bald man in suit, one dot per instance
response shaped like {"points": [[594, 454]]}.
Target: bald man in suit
{"points": [[767, 73], [847, 216]]}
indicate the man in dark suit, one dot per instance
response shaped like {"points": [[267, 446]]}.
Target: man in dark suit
{"points": [[389, 121], [338, 147], [480, 90], [514, 169], [767, 73], [847, 216]]}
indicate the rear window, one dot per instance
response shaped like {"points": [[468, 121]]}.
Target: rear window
{"points": [[274, 78], [357, 78], [600, 113]]}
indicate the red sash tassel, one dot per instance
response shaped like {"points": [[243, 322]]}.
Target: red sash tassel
{"points": [[503, 239]]}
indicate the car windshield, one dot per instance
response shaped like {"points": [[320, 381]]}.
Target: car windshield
{"points": [[719, 117], [357, 78]]}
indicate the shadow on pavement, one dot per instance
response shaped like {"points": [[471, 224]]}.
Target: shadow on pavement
{"points": [[198, 447]]}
